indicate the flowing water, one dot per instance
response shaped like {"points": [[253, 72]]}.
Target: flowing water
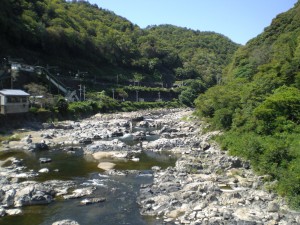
{"points": [[120, 192]]}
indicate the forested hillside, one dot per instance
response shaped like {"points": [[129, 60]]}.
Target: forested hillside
{"points": [[258, 104], [80, 36]]}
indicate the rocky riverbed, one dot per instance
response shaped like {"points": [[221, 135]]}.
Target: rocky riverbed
{"points": [[206, 186]]}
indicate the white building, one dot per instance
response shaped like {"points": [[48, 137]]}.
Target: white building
{"points": [[13, 101]]}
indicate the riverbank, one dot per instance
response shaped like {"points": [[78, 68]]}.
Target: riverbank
{"points": [[103, 137], [206, 186]]}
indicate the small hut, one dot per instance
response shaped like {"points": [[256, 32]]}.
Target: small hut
{"points": [[13, 101]]}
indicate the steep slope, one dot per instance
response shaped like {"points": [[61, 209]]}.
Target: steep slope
{"points": [[65, 33], [79, 36], [205, 54], [258, 103]]}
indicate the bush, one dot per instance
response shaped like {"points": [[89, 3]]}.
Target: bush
{"points": [[33, 109], [62, 106], [279, 112], [81, 109], [223, 118]]}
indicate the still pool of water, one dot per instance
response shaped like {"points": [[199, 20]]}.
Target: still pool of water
{"points": [[120, 192]]}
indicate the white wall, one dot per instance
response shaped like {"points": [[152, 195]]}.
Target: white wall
{"points": [[13, 107]]}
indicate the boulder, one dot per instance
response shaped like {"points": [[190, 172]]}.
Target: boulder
{"points": [[138, 119], [85, 140], [167, 129], [37, 146], [2, 195], [13, 212], [48, 125], [8, 199], [106, 165], [66, 222], [33, 194], [78, 193], [2, 211], [45, 160], [89, 201], [44, 170], [144, 124], [273, 207]]}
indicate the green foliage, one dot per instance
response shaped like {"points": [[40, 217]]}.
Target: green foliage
{"points": [[279, 112], [188, 54], [220, 102], [258, 104], [106, 103], [79, 109], [100, 102], [134, 106], [78, 34], [122, 93], [191, 91], [14, 137], [40, 95], [150, 89], [137, 77], [33, 109], [267, 154], [62, 106]]}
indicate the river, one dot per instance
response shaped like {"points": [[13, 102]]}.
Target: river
{"points": [[120, 192]]}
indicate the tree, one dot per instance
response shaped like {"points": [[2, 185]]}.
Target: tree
{"points": [[123, 94], [138, 77], [280, 111], [191, 92], [40, 95], [62, 106]]}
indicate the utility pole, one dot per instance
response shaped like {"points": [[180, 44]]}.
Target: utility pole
{"points": [[137, 95], [80, 90], [83, 92], [159, 96], [11, 81], [113, 91]]}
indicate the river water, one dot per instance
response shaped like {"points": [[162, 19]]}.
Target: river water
{"points": [[120, 192]]}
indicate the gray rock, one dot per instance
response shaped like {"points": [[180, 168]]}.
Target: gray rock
{"points": [[77, 193], [37, 146], [85, 141], [33, 194], [89, 201], [45, 160], [204, 145], [8, 199], [44, 170], [144, 124], [2, 195], [13, 212], [2, 211], [66, 222], [273, 207], [48, 125], [138, 119]]}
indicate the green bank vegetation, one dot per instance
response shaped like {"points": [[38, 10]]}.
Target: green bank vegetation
{"points": [[258, 104]]}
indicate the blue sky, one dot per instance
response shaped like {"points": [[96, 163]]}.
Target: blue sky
{"points": [[240, 20]]}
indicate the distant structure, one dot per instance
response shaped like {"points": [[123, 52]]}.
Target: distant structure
{"points": [[13, 101]]}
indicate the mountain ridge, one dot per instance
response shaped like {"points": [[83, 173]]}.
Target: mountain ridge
{"points": [[81, 34]]}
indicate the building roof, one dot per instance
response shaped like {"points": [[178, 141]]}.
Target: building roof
{"points": [[13, 92]]}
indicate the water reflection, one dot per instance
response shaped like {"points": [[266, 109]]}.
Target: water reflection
{"points": [[120, 192]]}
